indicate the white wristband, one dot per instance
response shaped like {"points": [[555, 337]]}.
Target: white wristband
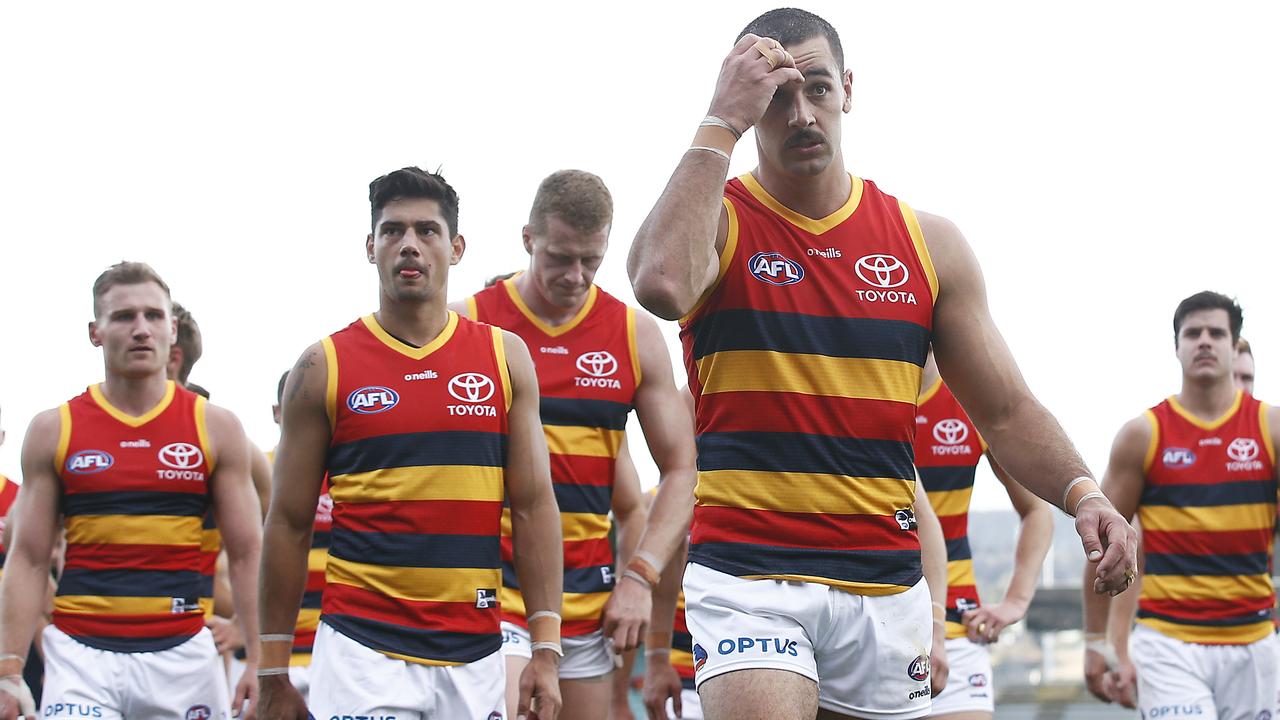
{"points": [[552, 646], [276, 637], [1086, 496], [638, 578], [717, 151], [649, 558], [267, 672], [544, 613], [1067, 491]]}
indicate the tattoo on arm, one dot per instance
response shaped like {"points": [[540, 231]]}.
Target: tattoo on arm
{"points": [[299, 375]]}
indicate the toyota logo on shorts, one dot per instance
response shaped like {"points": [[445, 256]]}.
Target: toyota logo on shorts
{"points": [[181, 456], [882, 271], [600, 363], [471, 387], [1243, 449], [950, 432]]}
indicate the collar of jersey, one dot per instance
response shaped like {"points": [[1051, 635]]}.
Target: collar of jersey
{"points": [[1206, 424], [554, 331], [132, 420], [405, 349], [808, 224]]}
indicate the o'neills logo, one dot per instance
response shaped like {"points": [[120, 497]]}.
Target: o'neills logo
{"points": [[473, 388], [1244, 455], [950, 434], [599, 365], [884, 273]]}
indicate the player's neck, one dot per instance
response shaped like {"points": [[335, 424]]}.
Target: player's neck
{"points": [[1207, 400], [135, 395], [417, 323], [552, 315], [813, 196]]}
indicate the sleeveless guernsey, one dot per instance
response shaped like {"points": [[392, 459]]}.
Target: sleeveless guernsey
{"points": [[588, 372], [415, 467], [805, 361]]}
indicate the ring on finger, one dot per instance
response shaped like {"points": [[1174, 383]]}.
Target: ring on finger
{"points": [[769, 50]]}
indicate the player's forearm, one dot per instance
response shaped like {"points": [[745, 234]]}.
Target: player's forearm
{"points": [[1124, 607], [675, 246], [933, 552], [666, 596], [1033, 447], [242, 570], [22, 608], [670, 515], [1096, 605], [630, 527], [538, 548], [285, 547], [1034, 537]]}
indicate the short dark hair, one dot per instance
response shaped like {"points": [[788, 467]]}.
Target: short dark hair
{"points": [[124, 273], [792, 25], [1244, 348], [499, 278], [578, 198], [189, 340], [1209, 300], [413, 182], [197, 389], [280, 387]]}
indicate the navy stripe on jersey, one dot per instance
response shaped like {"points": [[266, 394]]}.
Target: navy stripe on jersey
{"points": [[206, 586], [581, 412], [1211, 494], [888, 567], [805, 453], [130, 583], [811, 335], [944, 479], [320, 539], [455, 447], [594, 499], [576, 580], [413, 550], [135, 503], [132, 644], [1178, 564], [1247, 619], [958, 549], [415, 642], [311, 598]]}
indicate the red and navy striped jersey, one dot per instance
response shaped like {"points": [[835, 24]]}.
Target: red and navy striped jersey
{"points": [[1208, 513], [416, 473], [588, 372], [948, 448], [805, 361], [134, 495]]}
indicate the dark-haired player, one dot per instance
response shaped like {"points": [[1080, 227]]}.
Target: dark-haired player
{"points": [[808, 299], [421, 421], [1199, 469]]}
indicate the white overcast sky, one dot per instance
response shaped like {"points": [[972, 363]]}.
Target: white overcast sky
{"points": [[1104, 159]]}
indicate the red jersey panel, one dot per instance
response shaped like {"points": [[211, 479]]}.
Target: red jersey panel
{"points": [[8, 496], [1208, 513], [805, 362], [587, 376]]}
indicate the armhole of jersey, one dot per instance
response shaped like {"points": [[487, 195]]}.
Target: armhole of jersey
{"points": [[330, 383], [64, 437], [982, 443], [726, 256], [922, 250], [202, 431], [1155, 442], [473, 312], [633, 346], [500, 354], [1265, 423]]}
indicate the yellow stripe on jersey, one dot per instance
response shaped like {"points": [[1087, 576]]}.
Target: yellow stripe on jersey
{"points": [[1211, 634], [777, 372], [1264, 423], [1205, 587], [726, 256], [857, 588], [419, 482], [922, 250], [633, 346], [299, 659], [114, 605], [408, 583], [947, 503], [511, 600], [330, 382], [210, 540], [955, 630], [584, 441], [64, 436], [202, 433], [960, 572], [206, 606], [1154, 445], [316, 559], [1250, 516], [804, 492], [583, 605], [583, 526], [680, 658], [134, 530], [504, 370], [308, 619]]}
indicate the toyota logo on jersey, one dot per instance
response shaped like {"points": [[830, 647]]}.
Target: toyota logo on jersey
{"points": [[181, 456], [773, 268], [600, 363], [950, 431], [882, 271], [1243, 449], [471, 387]]}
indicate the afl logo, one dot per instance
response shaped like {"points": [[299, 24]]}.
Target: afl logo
{"points": [[918, 670], [181, 456], [882, 271], [87, 462], [950, 432], [471, 387], [1243, 449], [372, 399], [1178, 458], [600, 363], [773, 268], [199, 712]]}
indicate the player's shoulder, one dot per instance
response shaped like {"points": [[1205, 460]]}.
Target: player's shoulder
{"points": [[1136, 433], [45, 430]]}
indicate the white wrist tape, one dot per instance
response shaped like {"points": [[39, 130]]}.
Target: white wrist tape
{"points": [[17, 687], [1103, 648]]}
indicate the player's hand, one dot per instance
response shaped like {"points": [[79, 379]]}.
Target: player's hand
{"points": [[626, 614], [661, 681], [1122, 684], [984, 625], [1109, 541], [227, 635], [1097, 665], [246, 691], [540, 688], [278, 699], [939, 666], [746, 83], [15, 699]]}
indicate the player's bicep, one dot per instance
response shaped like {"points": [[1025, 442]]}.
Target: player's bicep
{"points": [[235, 505], [34, 516], [528, 464], [304, 440], [627, 497], [667, 425], [1126, 468]]}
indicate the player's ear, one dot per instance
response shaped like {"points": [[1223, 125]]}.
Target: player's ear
{"points": [[847, 83], [368, 247], [527, 235], [459, 246], [94, 338]]}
